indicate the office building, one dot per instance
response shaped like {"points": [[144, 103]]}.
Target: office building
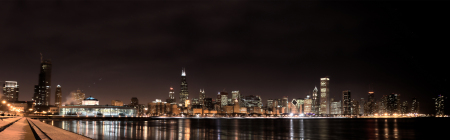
{"points": [[336, 107], [346, 102], [77, 97], [315, 108], [252, 101], [184, 94], [414, 106], [10, 91], [201, 97], [393, 104], [404, 109], [324, 96], [58, 96], [171, 96], [439, 105], [42, 91], [116, 103]]}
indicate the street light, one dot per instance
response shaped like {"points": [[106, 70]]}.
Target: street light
{"points": [[8, 104], [3, 101]]}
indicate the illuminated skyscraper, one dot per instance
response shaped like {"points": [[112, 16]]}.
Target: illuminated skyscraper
{"points": [[77, 97], [58, 96], [393, 104], [236, 95], [324, 96], [171, 96], [10, 91], [184, 94], [346, 102], [414, 106], [315, 105], [285, 103], [269, 104], [404, 109], [42, 91], [201, 97], [135, 101], [439, 104]]}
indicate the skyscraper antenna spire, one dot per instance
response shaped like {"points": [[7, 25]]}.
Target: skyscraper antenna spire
{"points": [[183, 72]]}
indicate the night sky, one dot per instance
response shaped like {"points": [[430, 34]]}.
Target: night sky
{"points": [[272, 49]]}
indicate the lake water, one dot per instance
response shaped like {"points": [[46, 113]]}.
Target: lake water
{"points": [[404, 128]]}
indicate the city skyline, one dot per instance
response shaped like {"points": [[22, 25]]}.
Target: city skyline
{"points": [[281, 54]]}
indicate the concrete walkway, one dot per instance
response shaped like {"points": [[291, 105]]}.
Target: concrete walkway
{"points": [[57, 133], [7, 121], [20, 130]]}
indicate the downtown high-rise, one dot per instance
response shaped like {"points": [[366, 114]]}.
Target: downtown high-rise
{"points": [[184, 94], [58, 96], [10, 91], [171, 96], [201, 97], [324, 96], [346, 102], [315, 102], [42, 91]]}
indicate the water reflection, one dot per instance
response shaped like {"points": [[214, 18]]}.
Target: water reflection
{"points": [[236, 129]]}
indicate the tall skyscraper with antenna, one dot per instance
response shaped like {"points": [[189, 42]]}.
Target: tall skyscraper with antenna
{"points": [[184, 94], [42, 91]]}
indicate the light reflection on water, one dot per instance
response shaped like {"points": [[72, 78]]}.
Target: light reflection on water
{"points": [[235, 129]]}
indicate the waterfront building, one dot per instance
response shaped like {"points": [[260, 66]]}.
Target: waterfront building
{"points": [[439, 105], [404, 108], [58, 96], [195, 101], [382, 105], [222, 98], [94, 110], [135, 101], [308, 106], [42, 91], [201, 97], [324, 96], [336, 107], [209, 104], [77, 97], [346, 102], [269, 104], [90, 101], [414, 106], [315, 106], [184, 94], [158, 108], [10, 91], [355, 107], [116, 103], [171, 98], [252, 100], [393, 104], [285, 104], [23, 106], [370, 105], [297, 105], [235, 95], [361, 106]]}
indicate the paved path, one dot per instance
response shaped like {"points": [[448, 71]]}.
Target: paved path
{"points": [[57, 133], [7, 121], [20, 130]]}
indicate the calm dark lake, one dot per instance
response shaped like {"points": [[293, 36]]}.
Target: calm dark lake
{"points": [[405, 128]]}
